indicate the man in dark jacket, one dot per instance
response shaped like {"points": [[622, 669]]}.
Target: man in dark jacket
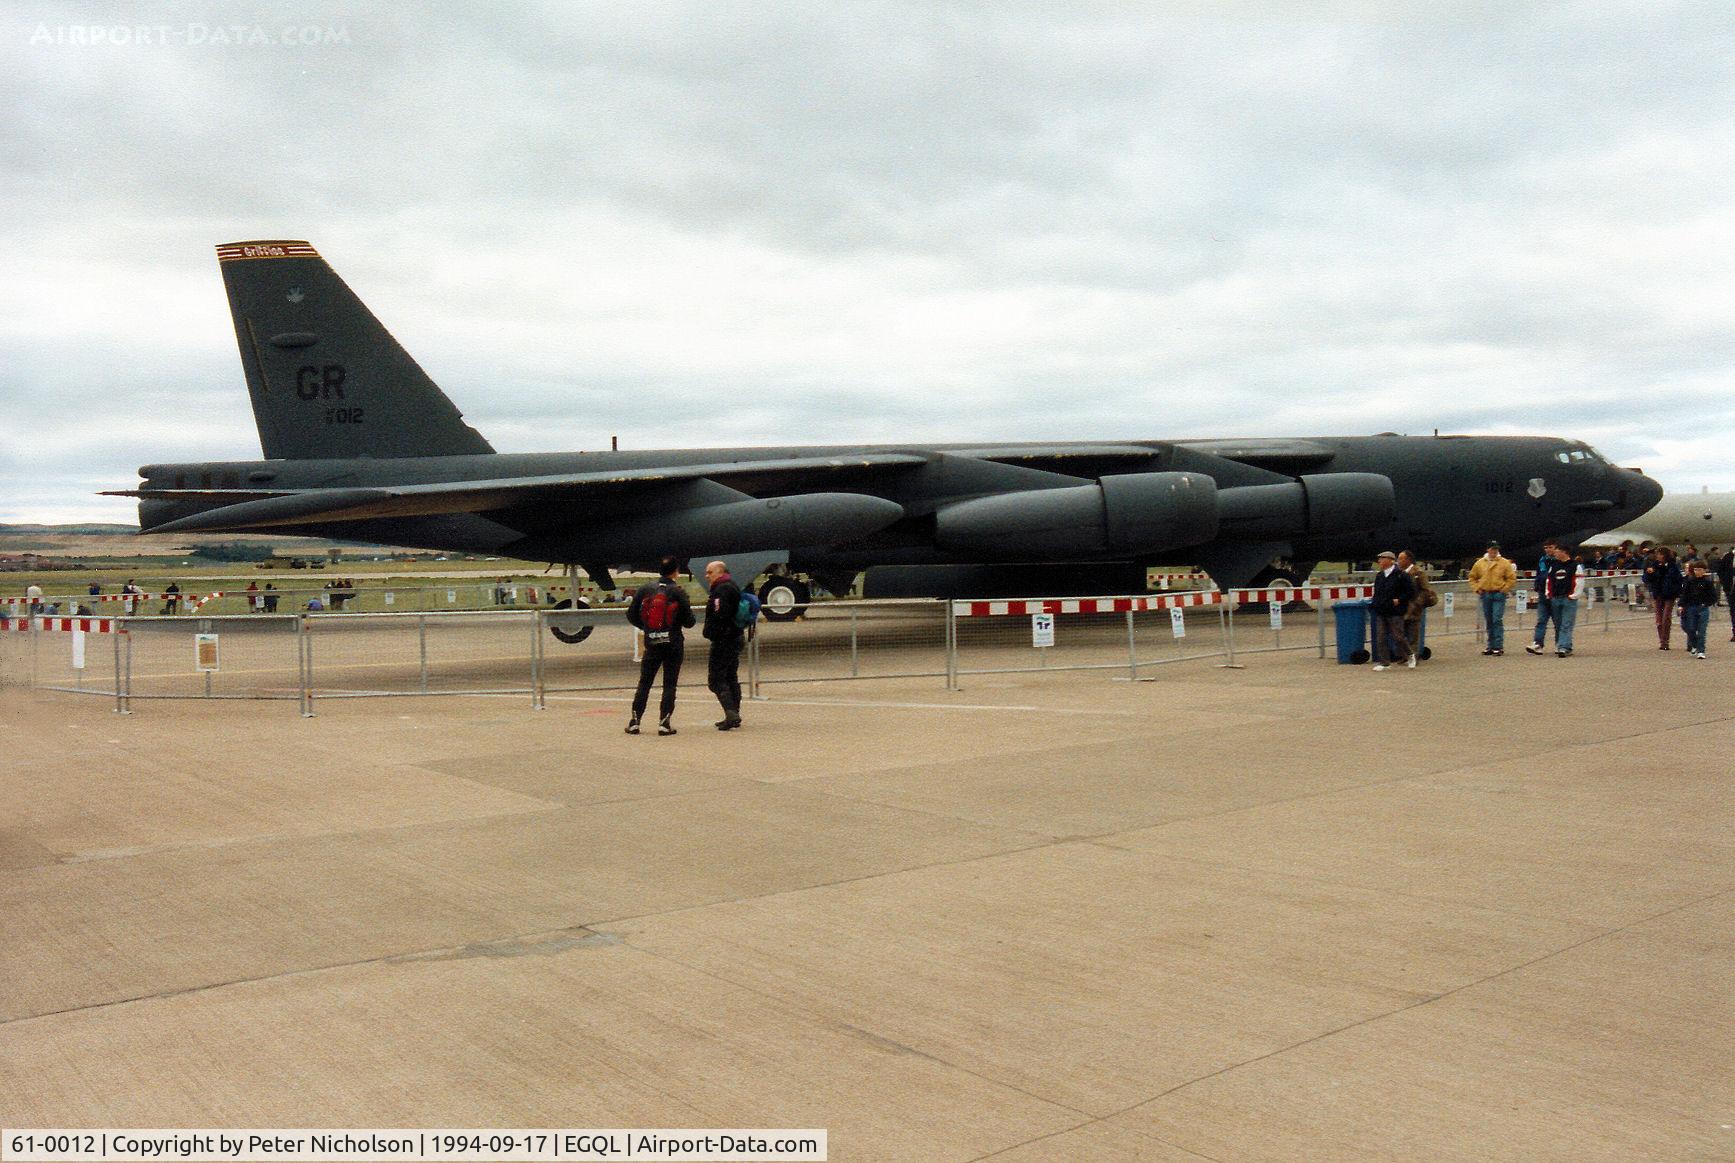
{"points": [[1698, 595], [1544, 608], [661, 609], [723, 674], [1662, 577], [1558, 588], [1393, 591]]}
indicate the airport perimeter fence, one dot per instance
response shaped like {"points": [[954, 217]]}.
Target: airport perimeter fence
{"points": [[533, 653]]}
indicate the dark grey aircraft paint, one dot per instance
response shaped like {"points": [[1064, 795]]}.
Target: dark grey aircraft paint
{"points": [[360, 444]]}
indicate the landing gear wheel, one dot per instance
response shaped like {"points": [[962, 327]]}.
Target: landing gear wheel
{"points": [[1279, 577], [573, 637], [783, 599]]}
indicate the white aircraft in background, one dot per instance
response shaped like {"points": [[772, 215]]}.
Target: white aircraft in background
{"points": [[1704, 518]]}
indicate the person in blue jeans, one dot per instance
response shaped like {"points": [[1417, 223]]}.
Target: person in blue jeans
{"points": [[1698, 595], [1557, 589], [1492, 578], [1544, 608]]}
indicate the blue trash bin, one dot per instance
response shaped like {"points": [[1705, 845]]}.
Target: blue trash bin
{"points": [[1352, 630]]}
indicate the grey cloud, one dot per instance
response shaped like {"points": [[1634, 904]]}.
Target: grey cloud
{"points": [[1201, 219]]}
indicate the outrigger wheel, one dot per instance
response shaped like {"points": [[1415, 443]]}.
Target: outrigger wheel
{"points": [[579, 635]]}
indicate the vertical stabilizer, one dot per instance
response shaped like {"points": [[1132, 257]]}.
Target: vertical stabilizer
{"points": [[327, 380]]}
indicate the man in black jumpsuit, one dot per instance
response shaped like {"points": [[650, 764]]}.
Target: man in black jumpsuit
{"points": [[723, 673], [661, 609]]}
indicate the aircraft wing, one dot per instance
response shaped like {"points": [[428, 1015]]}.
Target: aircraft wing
{"points": [[1058, 454], [1279, 454], [260, 508]]}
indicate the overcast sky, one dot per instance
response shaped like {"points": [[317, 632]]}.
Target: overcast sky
{"points": [[726, 224]]}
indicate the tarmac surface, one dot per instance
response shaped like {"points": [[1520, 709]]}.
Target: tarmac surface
{"points": [[1479, 910]]}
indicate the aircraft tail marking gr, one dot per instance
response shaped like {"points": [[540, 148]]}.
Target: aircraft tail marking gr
{"points": [[327, 379]]}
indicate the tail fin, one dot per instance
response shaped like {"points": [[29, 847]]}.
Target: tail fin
{"points": [[327, 380]]}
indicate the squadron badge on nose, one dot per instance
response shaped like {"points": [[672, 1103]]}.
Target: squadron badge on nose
{"points": [[1537, 488]]}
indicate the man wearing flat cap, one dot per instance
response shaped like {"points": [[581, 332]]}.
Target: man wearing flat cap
{"points": [[1393, 590]]}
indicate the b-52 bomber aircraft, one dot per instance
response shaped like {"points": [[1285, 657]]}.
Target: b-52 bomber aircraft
{"points": [[359, 444]]}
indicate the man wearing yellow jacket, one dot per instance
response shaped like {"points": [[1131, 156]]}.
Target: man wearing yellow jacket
{"points": [[1492, 578]]}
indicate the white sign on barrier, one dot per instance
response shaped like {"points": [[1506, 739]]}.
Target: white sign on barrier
{"points": [[205, 652], [1276, 609], [1178, 623], [391, 598], [1523, 601], [1042, 630], [78, 650], [1447, 604]]}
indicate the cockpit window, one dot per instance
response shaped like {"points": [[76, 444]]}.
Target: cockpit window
{"points": [[1576, 456]]}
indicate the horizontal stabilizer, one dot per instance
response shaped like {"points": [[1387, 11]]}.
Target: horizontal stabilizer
{"points": [[286, 509]]}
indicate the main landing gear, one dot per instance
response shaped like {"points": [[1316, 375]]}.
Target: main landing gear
{"points": [[783, 598]]}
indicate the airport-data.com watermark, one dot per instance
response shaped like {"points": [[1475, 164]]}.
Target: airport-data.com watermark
{"points": [[194, 35]]}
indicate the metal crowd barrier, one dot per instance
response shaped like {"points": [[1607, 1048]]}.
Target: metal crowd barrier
{"points": [[308, 657]]}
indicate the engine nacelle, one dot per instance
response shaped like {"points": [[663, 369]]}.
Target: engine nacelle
{"points": [[1118, 516], [1324, 504], [1091, 579]]}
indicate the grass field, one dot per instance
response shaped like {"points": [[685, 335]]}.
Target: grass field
{"points": [[110, 560]]}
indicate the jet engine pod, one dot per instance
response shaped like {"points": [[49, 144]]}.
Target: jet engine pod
{"points": [[1349, 502], [1131, 513], [1326, 503]]}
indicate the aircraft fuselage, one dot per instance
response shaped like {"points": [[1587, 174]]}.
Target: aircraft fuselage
{"points": [[1451, 494]]}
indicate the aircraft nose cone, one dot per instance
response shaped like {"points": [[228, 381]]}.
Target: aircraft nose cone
{"points": [[1640, 492]]}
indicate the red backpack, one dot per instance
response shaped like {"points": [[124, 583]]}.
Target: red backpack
{"points": [[658, 613]]}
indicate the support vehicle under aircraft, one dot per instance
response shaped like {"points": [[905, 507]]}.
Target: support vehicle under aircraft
{"points": [[360, 444]]}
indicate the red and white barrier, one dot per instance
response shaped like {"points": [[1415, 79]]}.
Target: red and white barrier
{"points": [[1018, 607], [1303, 594], [88, 625], [1530, 574], [992, 609]]}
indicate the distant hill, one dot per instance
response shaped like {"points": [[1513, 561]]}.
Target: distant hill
{"points": [[93, 530], [79, 542]]}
